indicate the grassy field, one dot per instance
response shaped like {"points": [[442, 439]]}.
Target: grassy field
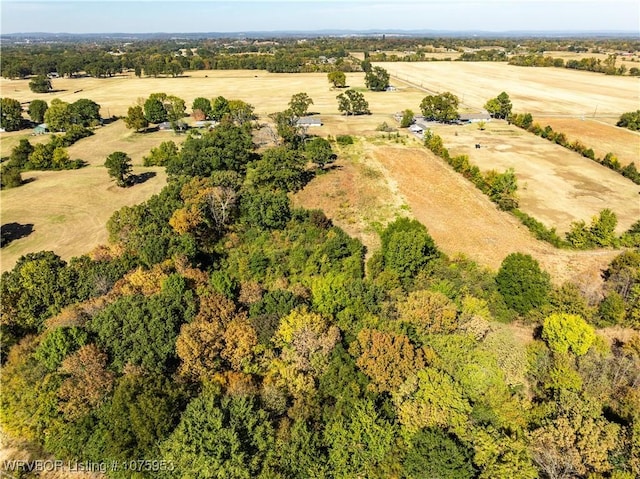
{"points": [[68, 210], [357, 194], [539, 91], [628, 61], [556, 186], [379, 180], [600, 136], [268, 92], [366, 189]]}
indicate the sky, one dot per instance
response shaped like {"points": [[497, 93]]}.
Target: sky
{"points": [[173, 16]]}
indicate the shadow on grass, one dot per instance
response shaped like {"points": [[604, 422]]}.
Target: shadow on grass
{"points": [[13, 231], [141, 178]]}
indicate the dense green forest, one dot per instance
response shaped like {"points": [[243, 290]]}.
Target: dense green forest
{"points": [[224, 333]]}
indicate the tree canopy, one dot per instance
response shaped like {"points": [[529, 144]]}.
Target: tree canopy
{"points": [[442, 107]]}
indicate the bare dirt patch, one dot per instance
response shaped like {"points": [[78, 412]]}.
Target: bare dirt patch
{"points": [[556, 186]]}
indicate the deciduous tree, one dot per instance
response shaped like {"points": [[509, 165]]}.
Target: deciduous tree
{"points": [[522, 284], [568, 332], [337, 78], [84, 112], [10, 114], [443, 107], [377, 79], [429, 312], [88, 382], [57, 116], [319, 151], [40, 84], [119, 167], [136, 118], [387, 358], [352, 102], [499, 107], [300, 103]]}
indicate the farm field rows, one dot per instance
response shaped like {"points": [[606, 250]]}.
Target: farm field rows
{"points": [[538, 91], [556, 186]]}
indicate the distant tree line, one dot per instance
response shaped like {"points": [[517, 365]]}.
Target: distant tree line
{"points": [[106, 58], [591, 64]]}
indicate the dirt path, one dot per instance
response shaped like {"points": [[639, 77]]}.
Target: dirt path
{"points": [[462, 220]]}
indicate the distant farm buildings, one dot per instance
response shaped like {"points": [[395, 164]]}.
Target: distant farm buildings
{"points": [[307, 121], [474, 117], [204, 124], [166, 126], [41, 129]]}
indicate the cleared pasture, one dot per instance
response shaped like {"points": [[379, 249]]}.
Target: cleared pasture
{"points": [[268, 92], [462, 220], [539, 91], [628, 61], [556, 186], [601, 137], [68, 209]]}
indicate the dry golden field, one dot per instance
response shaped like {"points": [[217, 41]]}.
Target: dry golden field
{"points": [[357, 194], [629, 61], [268, 92], [600, 136], [68, 209], [380, 180], [367, 188], [556, 185], [539, 91]]}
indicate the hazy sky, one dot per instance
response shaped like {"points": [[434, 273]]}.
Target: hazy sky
{"points": [[236, 16]]}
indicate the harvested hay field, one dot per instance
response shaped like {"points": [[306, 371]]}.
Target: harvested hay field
{"points": [[462, 220], [68, 210], [601, 137], [539, 91], [556, 186], [268, 92]]}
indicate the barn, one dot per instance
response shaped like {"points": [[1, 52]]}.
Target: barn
{"points": [[474, 117], [307, 121]]}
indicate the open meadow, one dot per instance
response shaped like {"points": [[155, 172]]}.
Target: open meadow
{"points": [[69, 209], [555, 185], [602, 137], [536, 90], [377, 180], [268, 92]]}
